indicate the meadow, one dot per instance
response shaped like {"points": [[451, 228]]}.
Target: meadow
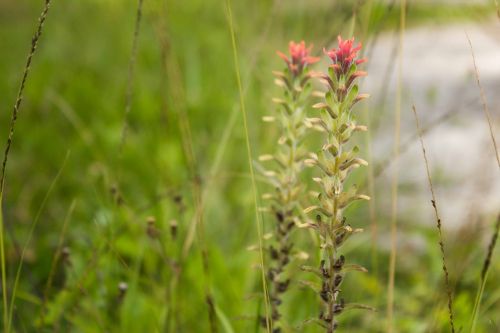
{"points": [[138, 188]]}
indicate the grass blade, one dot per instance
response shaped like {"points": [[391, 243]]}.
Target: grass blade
{"points": [[28, 240], [484, 275], [2, 259], [226, 324], [250, 162], [55, 260], [394, 182]]}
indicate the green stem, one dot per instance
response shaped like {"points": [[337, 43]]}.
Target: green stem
{"points": [[258, 221], [477, 304], [2, 259]]}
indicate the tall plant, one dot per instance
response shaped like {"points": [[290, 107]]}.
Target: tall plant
{"points": [[336, 160], [283, 174]]}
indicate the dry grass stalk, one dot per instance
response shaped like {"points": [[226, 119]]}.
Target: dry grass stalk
{"points": [[483, 101], [438, 224]]}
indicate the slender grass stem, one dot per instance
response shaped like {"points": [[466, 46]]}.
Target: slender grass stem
{"points": [[370, 174], [28, 240], [2, 258], [483, 101], [484, 275], [196, 228], [250, 162], [197, 224], [19, 99], [395, 175], [55, 260], [438, 223], [485, 271], [130, 75], [15, 112], [228, 129]]}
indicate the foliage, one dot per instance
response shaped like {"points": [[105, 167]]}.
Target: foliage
{"points": [[117, 245]]}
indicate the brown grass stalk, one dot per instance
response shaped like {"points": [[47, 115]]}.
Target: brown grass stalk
{"points": [[438, 223], [491, 247], [483, 101]]}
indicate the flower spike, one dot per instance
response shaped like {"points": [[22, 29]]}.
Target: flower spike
{"points": [[283, 168], [335, 161]]}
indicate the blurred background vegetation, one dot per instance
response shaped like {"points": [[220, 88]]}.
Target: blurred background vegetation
{"points": [[114, 248]]}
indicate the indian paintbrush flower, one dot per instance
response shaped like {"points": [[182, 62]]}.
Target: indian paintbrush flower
{"points": [[335, 161], [288, 162], [299, 58]]}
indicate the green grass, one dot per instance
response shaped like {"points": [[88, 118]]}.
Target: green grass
{"points": [[184, 74]]}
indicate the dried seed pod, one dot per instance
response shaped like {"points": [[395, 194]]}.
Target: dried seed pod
{"points": [[337, 280], [173, 228], [151, 228]]}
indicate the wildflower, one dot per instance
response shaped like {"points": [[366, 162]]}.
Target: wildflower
{"points": [[299, 57], [335, 162], [344, 56], [285, 165]]}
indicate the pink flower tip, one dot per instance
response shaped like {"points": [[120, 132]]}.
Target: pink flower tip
{"points": [[345, 54], [299, 56]]}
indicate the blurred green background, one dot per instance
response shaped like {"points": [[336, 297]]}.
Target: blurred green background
{"points": [[186, 139]]}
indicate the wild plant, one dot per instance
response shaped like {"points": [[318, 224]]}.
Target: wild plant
{"points": [[336, 160], [288, 163]]}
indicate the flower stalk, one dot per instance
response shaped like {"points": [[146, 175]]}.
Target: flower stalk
{"points": [[285, 165], [336, 160]]}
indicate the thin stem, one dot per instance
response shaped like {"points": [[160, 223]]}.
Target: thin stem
{"points": [[130, 75], [28, 240], [438, 223], [55, 260], [15, 111], [249, 155], [483, 101], [4, 277], [226, 135], [395, 176], [484, 274]]}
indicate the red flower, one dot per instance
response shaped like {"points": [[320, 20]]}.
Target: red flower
{"points": [[344, 55], [299, 56]]}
